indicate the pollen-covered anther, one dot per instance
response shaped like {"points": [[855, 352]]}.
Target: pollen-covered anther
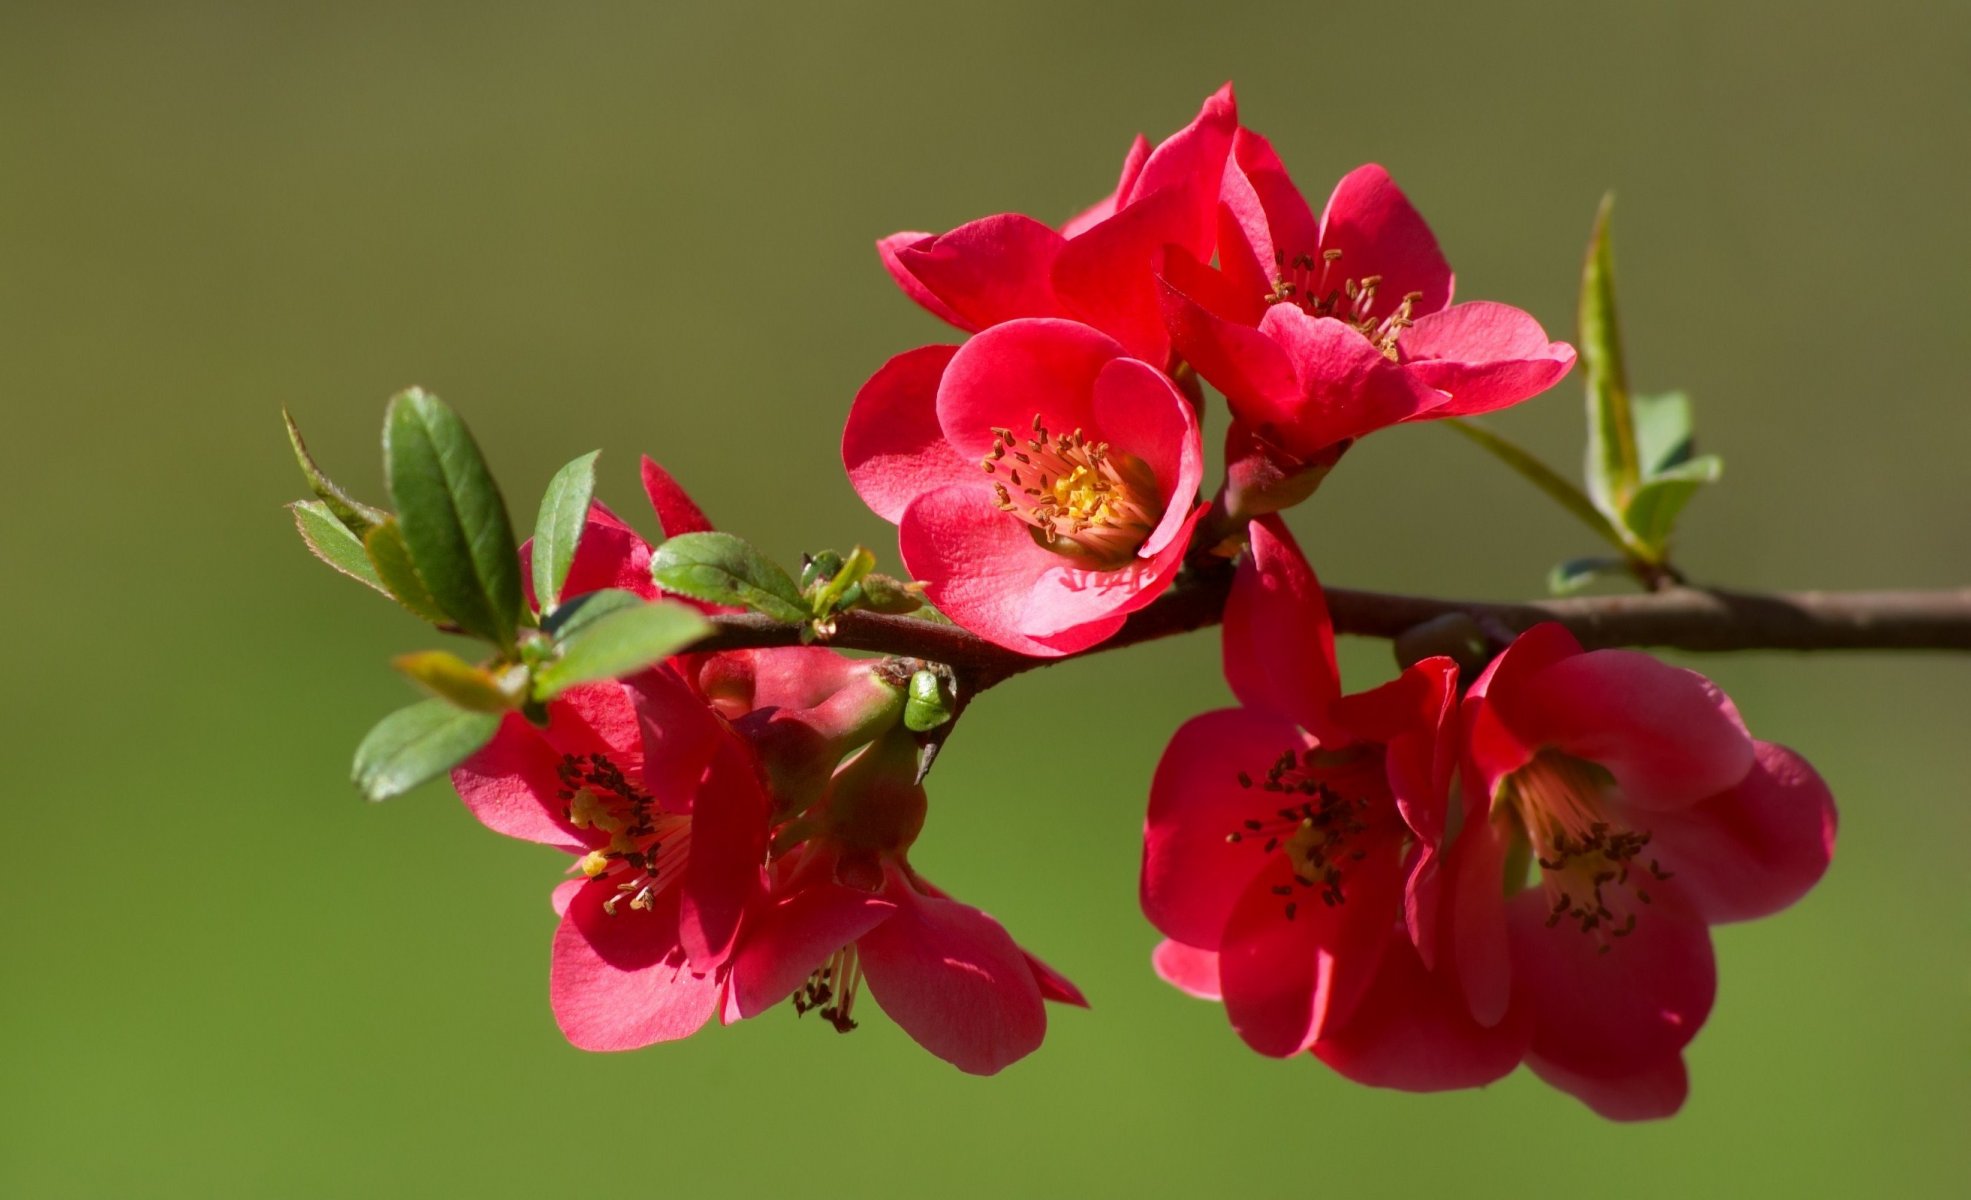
{"points": [[1320, 833], [1077, 497], [1596, 875], [831, 989], [1322, 291]]}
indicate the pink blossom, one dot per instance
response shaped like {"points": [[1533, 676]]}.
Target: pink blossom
{"points": [[1631, 792], [846, 909], [1291, 846], [1100, 267], [1044, 482], [1319, 332]]}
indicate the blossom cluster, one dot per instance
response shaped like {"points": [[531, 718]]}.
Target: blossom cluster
{"points": [[1424, 885]]}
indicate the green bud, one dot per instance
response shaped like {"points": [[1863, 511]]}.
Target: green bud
{"points": [[929, 704]]}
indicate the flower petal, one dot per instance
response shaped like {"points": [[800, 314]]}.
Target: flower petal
{"points": [[724, 872], [1754, 849], [1655, 1091], [1372, 223], [786, 941], [676, 511], [512, 785], [890, 249], [1480, 947], [1615, 1013], [1193, 876], [620, 982], [1345, 387], [1413, 1031], [1138, 411], [1667, 734], [1485, 354], [1054, 985], [986, 271], [893, 446], [1073, 607], [1008, 375], [610, 555], [1103, 209], [1188, 969], [1278, 644], [953, 980]]}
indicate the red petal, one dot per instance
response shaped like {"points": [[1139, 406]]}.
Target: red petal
{"points": [[1655, 1091], [1103, 209], [893, 446], [1193, 876], [676, 511], [1278, 643], [787, 941], [1188, 969], [1486, 355], [990, 270], [1754, 849], [1413, 1031], [1616, 1013], [621, 982], [889, 249], [512, 786], [1377, 231], [725, 870], [1480, 948], [953, 979], [1345, 388], [1009, 374], [1138, 411]]}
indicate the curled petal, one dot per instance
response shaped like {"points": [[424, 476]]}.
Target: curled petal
{"points": [[1378, 232], [1139, 411], [890, 250], [893, 446], [987, 271], [1754, 849], [1278, 642], [1486, 355], [953, 980], [1345, 388], [1008, 375]]}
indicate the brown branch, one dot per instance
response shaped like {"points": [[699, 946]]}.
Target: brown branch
{"points": [[1680, 617]]}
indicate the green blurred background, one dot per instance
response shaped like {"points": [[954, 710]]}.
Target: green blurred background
{"points": [[647, 228]]}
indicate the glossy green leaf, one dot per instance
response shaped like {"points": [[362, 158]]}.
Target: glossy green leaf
{"points": [[558, 530], [450, 677], [1544, 477], [719, 568], [331, 541], [620, 643], [1614, 463], [358, 517], [1664, 438], [418, 743], [1653, 510], [1577, 573], [578, 611], [392, 559], [452, 517]]}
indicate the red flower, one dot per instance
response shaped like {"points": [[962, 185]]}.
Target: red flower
{"points": [[1100, 268], [1319, 332], [1633, 793], [1290, 848], [846, 908], [1043, 481]]}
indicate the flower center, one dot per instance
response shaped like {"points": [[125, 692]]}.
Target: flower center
{"points": [[1321, 290], [1328, 810], [1594, 873], [646, 848], [831, 988], [1076, 497]]}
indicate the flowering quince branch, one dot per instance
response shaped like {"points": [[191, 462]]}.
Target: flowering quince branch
{"points": [[1510, 853]]}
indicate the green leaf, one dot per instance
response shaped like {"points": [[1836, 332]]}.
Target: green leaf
{"points": [[1614, 463], [1663, 431], [578, 611], [392, 559], [331, 541], [558, 530], [1653, 510], [450, 677], [358, 517], [620, 643], [418, 743], [1546, 479], [1577, 573], [452, 516], [719, 568]]}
